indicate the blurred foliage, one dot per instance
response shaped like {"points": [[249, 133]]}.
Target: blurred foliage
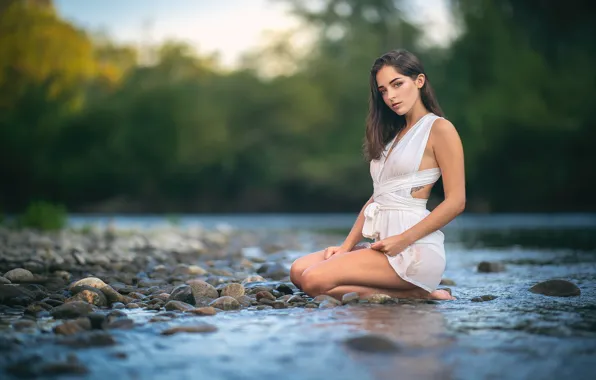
{"points": [[43, 215], [86, 122]]}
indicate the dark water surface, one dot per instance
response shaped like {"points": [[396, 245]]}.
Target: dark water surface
{"points": [[518, 335]]}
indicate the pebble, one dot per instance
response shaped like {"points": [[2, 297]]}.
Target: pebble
{"points": [[556, 288], [207, 310], [379, 298], [203, 328], [233, 290], [447, 282], [487, 297], [490, 267], [18, 275], [178, 305], [225, 303], [350, 298], [73, 309]]}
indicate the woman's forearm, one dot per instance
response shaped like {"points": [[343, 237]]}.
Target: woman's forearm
{"points": [[445, 212], [355, 234]]}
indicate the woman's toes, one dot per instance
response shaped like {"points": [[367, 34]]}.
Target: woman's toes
{"points": [[441, 295]]}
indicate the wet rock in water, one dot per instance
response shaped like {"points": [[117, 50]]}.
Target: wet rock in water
{"points": [[73, 327], [196, 270], [202, 292], [490, 267], [273, 270], [113, 296], [487, 297], [225, 303], [71, 310], [67, 368], [323, 297], [311, 306], [279, 305], [97, 319], [447, 282], [556, 288], [245, 301], [265, 295], [93, 297], [295, 299], [18, 275], [118, 323], [179, 306], [352, 297], [88, 339], [327, 304], [207, 310], [11, 294], [372, 344], [379, 298], [233, 290], [182, 293], [202, 328], [252, 279], [286, 288], [132, 305], [120, 305], [24, 324], [88, 281], [4, 280], [264, 307], [266, 301]]}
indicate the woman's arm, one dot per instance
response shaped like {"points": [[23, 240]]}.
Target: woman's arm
{"points": [[355, 234], [449, 154]]}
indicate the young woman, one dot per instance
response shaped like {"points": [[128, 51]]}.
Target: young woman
{"points": [[409, 146]]}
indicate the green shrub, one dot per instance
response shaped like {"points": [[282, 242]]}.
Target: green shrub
{"points": [[44, 216]]}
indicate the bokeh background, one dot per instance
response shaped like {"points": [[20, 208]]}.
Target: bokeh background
{"points": [[236, 106]]}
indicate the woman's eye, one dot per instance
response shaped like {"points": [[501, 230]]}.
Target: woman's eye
{"points": [[396, 84]]}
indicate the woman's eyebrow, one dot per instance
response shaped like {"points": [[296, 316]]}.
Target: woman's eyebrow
{"points": [[392, 80]]}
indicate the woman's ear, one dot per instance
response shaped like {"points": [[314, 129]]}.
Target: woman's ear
{"points": [[420, 80]]}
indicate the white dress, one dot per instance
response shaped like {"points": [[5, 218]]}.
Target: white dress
{"points": [[394, 210]]}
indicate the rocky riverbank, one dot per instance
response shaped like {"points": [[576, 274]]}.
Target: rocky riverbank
{"points": [[83, 289]]}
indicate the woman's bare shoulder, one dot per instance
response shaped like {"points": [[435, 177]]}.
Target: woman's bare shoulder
{"points": [[444, 131]]}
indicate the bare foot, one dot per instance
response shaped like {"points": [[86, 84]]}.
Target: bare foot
{"points": [[441, 294]]}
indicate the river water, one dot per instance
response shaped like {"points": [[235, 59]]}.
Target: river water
{"points": [[518, 335]]}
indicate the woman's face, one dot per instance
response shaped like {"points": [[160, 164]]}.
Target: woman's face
{"points": [[399, 92]]}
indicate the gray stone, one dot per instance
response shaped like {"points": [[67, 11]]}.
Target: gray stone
{"points": [[74, 309], [89, 281], [225, 303], [487, 297], [350, 297], [488, 267], [18, 275], [556, 288], [233, 290], [178, 305], [182, 293], [379, 298], [202, 292], [202, 328], [4, 280]]}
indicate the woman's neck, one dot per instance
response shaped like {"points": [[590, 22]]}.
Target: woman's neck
{"points": [[417, 111]]}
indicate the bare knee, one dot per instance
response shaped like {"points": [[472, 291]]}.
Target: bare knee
{"points": [[314, 284], [296, 273]]}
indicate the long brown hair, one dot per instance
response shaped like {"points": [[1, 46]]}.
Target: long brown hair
{"points": [[382, 124]]}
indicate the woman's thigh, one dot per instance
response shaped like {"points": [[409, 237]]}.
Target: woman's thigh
{"points": [[365, 267], [303, 263]]}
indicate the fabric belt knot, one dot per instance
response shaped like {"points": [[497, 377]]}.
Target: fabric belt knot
{"points": [[371, 222]]}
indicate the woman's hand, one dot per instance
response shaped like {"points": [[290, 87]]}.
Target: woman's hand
{"points": [[391, 245], [330, 251]]}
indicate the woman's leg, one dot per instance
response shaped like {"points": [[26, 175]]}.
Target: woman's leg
{"points": [[303, 263], [366, 271]]}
